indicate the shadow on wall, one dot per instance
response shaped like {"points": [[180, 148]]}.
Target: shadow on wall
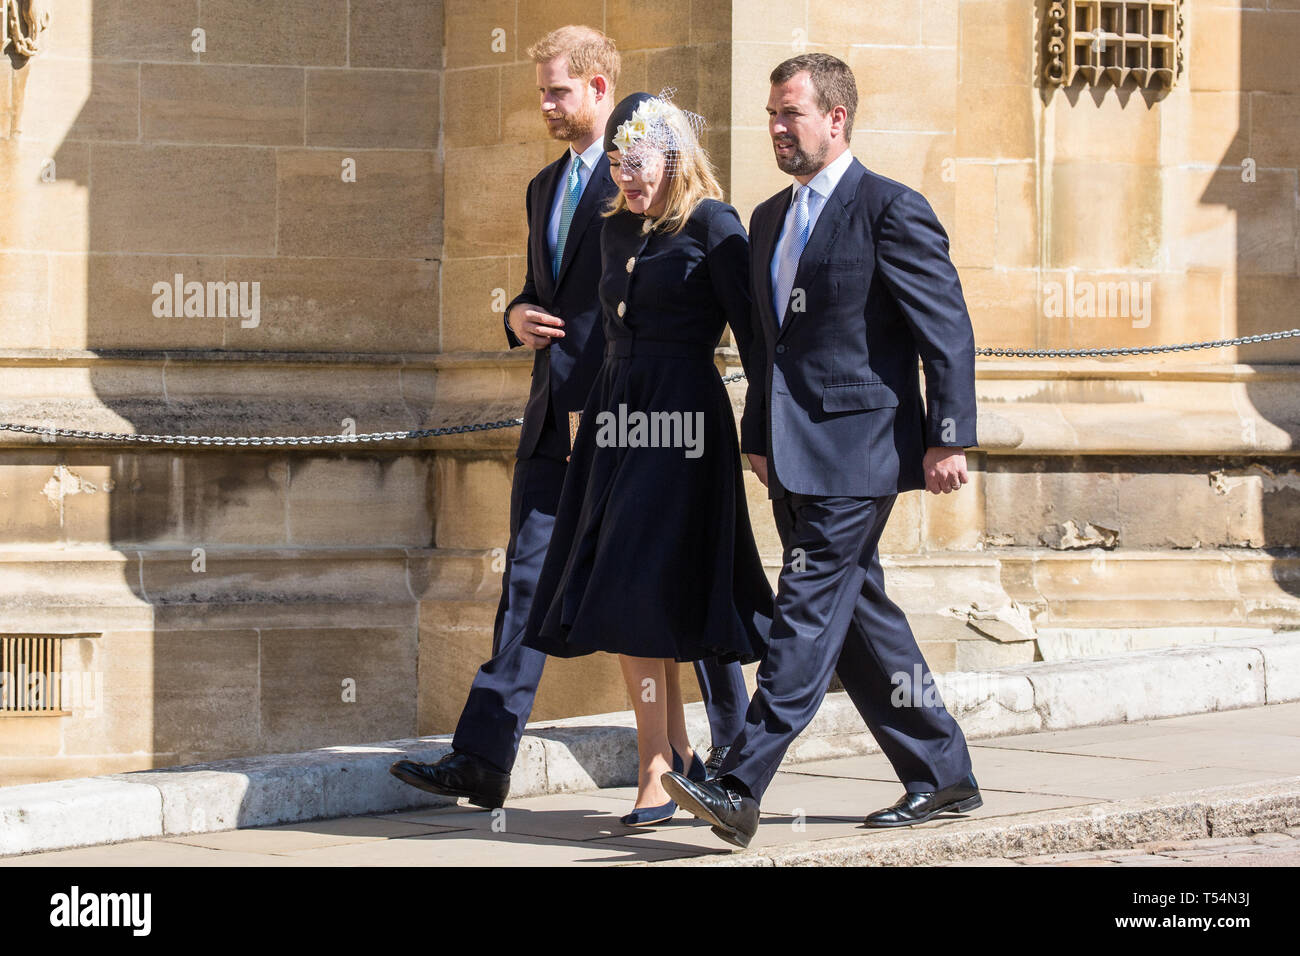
{"points": [[1239, 242], [1257, 183], [237, 660]]}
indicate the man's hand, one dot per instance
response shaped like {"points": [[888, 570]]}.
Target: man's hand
{"points": [[534, 326], [945, 470], [759, 464]]}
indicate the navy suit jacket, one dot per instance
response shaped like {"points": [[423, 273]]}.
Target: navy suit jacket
{"points": [[564, 371], [839, 411]]}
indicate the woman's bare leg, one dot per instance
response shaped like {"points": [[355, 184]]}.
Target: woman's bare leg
{"points": [[647, 686], [676, 709]]}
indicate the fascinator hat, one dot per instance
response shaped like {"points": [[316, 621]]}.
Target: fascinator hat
{"points": [[643, 125]]}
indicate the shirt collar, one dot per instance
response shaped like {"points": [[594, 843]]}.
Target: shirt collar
{"points": [[824, 183], [590, 156]]}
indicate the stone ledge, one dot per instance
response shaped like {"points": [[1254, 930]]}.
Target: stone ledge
{"points": [[583, 753], [38, 358], [1148, 368], [1035, 408], [77, 813]]}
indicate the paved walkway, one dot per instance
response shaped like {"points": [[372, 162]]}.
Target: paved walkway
{"points": [[1020, 776]]}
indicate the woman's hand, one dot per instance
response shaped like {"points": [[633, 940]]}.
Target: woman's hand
{"points": [[759, 464]]}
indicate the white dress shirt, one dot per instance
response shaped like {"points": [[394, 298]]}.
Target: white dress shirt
{"points": [[590, 157], [820, 188]]}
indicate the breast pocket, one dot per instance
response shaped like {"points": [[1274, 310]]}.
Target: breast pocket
{"points": [[845, 266], [850, 279], [858, 396]]}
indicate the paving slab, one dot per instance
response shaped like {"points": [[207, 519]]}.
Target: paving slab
{"points": [[320, 833], [1263, 719], [576, 817], [1228, 748], [483, 848], [156, 852]]}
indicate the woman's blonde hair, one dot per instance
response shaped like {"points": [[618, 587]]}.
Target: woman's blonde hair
{"points": [[689, 177]]}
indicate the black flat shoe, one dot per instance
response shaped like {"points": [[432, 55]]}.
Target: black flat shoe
{"points": [[457, 775], [734, 817], [919, 807]]}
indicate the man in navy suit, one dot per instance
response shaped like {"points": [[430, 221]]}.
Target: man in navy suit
{"points": [[558, 316], [852, 284]]}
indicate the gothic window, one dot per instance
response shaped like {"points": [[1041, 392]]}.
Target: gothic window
{"points": [[1114, 40]]}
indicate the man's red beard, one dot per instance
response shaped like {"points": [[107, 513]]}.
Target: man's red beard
{"points": [[574, 126]]}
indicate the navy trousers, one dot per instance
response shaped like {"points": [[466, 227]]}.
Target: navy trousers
{"points": [[832, 614], [501, 697]]}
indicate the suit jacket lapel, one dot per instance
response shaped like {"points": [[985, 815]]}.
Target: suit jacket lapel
{"points": [[587, 207], [832, 218], [540, 226], [765, 241]]}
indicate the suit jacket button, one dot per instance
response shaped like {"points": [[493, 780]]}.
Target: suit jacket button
{"points": [[622, 309], [630, 263], [780, 349]]}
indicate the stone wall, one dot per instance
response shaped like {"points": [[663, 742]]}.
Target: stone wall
{"points": [[223, 597]]}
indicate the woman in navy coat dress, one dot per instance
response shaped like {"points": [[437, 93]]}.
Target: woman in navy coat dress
{"points": [[652, 556]]}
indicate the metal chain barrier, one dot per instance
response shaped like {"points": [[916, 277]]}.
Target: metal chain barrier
{"points": [[1139, 349], [263, 439], [288, 440]]}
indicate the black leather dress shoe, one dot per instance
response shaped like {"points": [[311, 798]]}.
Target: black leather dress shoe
{"points": [[734, 817], [457, 775], [915, 808], [714, 763]]}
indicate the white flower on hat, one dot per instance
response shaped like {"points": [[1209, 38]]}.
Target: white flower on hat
{"points": [[654, 127], [623, 138], [648, 114], [653, 109], [628, 133]]}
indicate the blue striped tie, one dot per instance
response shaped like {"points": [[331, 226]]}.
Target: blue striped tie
{"points": [[791, 249], [573, 191]]}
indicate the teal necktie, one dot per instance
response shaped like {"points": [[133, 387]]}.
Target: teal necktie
{"points": [[572, 193]]}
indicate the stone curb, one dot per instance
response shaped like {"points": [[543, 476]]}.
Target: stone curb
{"points": [[1236, 810], [585, 753]]}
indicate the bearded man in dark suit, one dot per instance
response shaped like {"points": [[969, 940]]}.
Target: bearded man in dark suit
{"points": [[851, 285]]}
